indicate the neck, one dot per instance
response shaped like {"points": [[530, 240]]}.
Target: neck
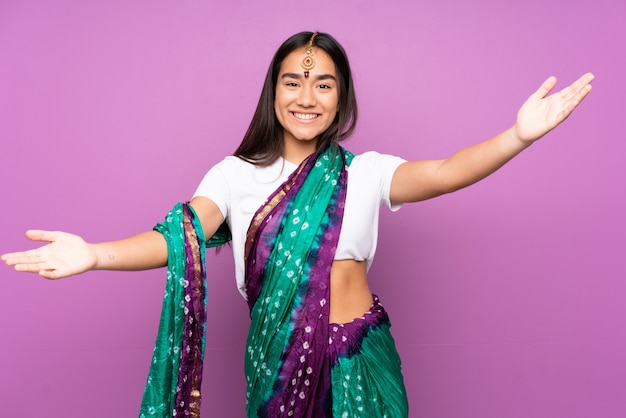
{"points": [[296, 151]]}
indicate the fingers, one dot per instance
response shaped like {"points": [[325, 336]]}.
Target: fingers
{"points": [[545, 88], [50, 274], [39, 268], [35, 267], [29, 260], [40, 235], [574, 94], [580, 87], [584, 80], [62, 255], [25, 264], [20, 257]]}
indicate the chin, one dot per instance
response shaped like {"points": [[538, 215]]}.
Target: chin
{"points": [[306, 137]]}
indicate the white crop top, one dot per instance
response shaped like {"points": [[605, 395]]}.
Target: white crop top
{"points": [[239, 188]]}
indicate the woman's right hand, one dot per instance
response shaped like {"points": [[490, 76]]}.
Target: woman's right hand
{"points": [[64, 255], [68, 254]]}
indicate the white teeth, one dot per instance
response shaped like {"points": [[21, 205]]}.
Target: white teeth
{"points": [[305, 116]]}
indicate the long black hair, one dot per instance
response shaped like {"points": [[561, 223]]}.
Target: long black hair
{"points": [[263, 142]]}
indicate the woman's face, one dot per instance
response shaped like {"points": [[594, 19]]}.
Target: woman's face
{"points": [[306, 106]]}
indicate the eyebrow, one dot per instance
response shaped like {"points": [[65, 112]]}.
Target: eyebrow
{"points": [[299, 76]]}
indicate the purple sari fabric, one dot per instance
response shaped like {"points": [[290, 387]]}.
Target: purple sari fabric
{"points": [[289, 253], [175, 377]]}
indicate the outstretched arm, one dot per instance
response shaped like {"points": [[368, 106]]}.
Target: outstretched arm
{"points": [[420, 180], [66, 254]]}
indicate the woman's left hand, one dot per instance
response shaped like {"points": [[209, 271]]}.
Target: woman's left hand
{"points": [[542, 112]]}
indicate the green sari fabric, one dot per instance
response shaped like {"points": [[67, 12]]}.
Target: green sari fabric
{"points": [[297, 364], [368, 382], [290, 246], [175, 377]]}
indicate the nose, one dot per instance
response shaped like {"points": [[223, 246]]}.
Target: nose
{"points": [[306, 97]]}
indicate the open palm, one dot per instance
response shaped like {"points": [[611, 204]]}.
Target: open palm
{"points": [[64, 255], [543, 112]]}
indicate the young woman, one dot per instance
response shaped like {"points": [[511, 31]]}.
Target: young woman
{"points": [[302, 214]]}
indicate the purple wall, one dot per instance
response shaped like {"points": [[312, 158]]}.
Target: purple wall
{"points": [[506, 298]]}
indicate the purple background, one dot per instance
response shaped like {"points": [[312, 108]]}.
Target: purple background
{"points": [[506, 298]]}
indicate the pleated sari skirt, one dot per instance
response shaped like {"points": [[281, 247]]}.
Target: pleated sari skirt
{"points": [[365, 368]]}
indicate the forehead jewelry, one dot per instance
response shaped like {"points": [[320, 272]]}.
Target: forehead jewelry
{"points": [[308, 63]]}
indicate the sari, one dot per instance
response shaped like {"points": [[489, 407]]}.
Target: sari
{"points": [[175, 377], [297, 364]]}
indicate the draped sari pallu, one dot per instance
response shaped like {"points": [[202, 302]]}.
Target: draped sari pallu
{"points": [[175, 376], [297, 364]]}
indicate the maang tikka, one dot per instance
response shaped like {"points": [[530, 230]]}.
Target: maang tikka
{"points": [[308, 63]]}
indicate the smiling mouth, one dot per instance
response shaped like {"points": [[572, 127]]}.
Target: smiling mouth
{"points": [[305, 116]]}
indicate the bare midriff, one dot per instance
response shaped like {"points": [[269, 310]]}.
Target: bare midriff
{"points": [[350, 295]]}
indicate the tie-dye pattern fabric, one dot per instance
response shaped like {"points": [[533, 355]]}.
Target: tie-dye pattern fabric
{"points": [[297, 364], [289, 252], [366, 371], [175, 377]]}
